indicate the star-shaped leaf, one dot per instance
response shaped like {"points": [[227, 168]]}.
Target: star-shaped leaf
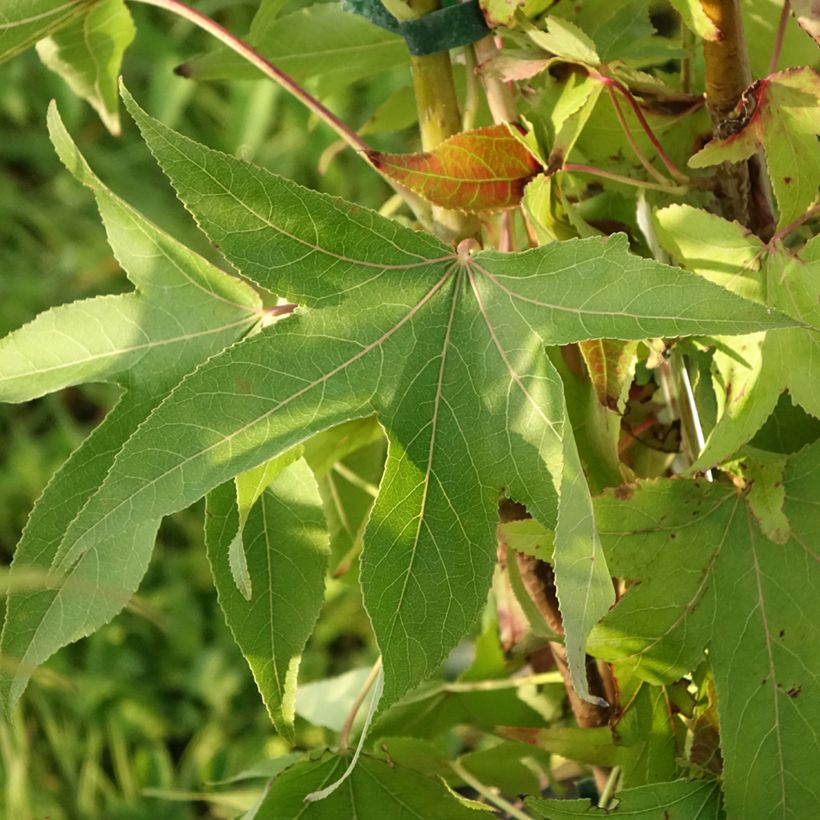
{"points": [[709, 577], [780, 112], [183, 311], [447, 348]]}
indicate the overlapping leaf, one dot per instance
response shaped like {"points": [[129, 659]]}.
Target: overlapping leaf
{"points": [[709, 577], [183, 311], [446, 348], [284, 544], [675, 800], [87, 54], [782, 113], [751, 372], [24, 22], [481, 170]]}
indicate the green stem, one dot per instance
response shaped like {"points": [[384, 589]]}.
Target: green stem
{"points": [[778, 38], [631, 139], [344, 734], [488, 793], [637, 183]]}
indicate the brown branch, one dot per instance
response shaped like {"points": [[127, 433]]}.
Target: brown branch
{"points": [[744, 188], [538, 578]]}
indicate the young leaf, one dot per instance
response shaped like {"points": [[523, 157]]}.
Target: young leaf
{"points": [[610, 365], [675, 800], [286, 548], [566, 41], [782, 113], [446, 347], [24, 22], [710, 577], [475, 171], [184, 311], [87, 54]]}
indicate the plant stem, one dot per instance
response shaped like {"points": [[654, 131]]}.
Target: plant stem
{"points": [[344, 734], [644, 123], [611, 787], [631, 139], [498, 93], [488, 793], [778, 38], [637, 183], [785, 231]]}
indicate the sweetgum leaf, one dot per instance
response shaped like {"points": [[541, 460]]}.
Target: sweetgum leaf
{"points": [[447, 348], [710, 578], [24, 22], [782, 113], [750, 372], [184, 310], [675, 800], [87, 54], [286, 548], [374, 789], [481, 170]]}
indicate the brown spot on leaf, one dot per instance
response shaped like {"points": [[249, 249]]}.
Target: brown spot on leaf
{"points": [[624, 492], [787, 180], [782, 633], [794, 691]]}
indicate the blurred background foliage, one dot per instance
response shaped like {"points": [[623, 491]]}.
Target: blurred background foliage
{"points": [[136, 720]]}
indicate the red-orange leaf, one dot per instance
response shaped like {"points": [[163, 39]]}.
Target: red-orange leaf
{"points": [[481, 170]]}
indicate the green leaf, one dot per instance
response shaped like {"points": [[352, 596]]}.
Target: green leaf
{"points": [[286, 548], [527, 536], [610, 365], [475, 171], [320, 40], [710, 578], [724, 252], [184, 311], [374, 789], [87, 54], [619, 36], [675, 800], [696, 19], [780, 112], [565, 40], [23, 22], [432, 322]]}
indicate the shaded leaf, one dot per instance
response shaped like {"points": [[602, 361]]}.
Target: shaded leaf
{"points": [[481, 170], [143, 341], [782, 113], [286, 548], [374, 789], [610, 365], [87, 54], [24, 22], [710, 577], [675, 800], [321, 40], [527, 536]]}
